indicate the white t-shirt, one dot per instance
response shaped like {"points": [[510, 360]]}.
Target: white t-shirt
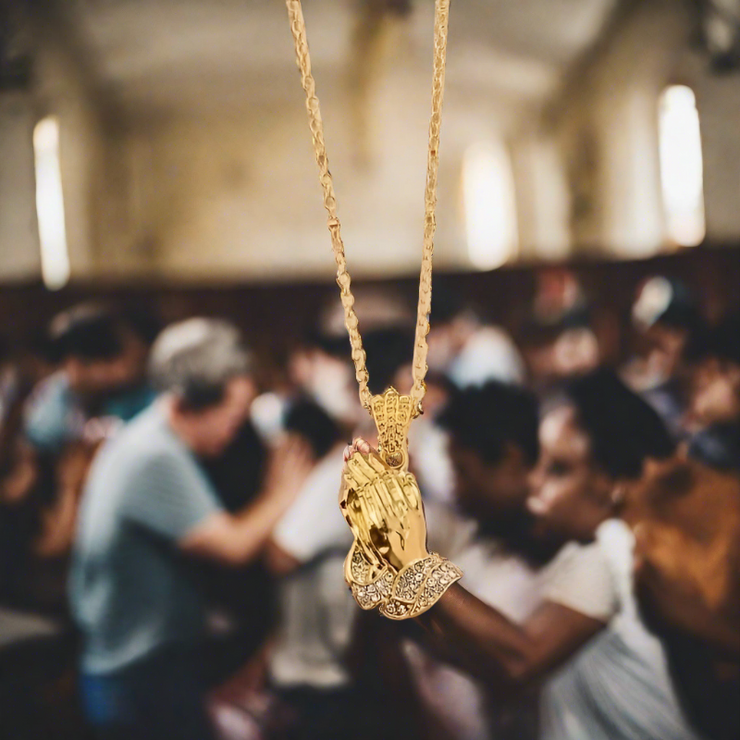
{"points": [[430, 458], [581, 578], [317, 609], [617, 687]]}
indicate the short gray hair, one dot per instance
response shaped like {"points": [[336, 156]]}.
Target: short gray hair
{"points": [[195, 359]]}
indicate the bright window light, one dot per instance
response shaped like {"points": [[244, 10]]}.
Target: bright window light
{"points": [[50, 204], [681, 166], [490, 208]]}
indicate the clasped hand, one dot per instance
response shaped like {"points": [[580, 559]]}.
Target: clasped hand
{"points": [[383, 508]]}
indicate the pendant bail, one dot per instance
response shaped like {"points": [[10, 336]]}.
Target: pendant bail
{"points": [[393, 414]]}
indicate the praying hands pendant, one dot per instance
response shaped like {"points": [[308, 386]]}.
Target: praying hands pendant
{"points": [[389, 566]]}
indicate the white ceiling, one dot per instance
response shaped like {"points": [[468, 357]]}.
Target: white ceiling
{"points": [[179, 56]]}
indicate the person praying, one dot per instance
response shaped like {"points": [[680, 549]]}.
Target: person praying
{"points": [[606, 676], [148, 506], [494, 446]]}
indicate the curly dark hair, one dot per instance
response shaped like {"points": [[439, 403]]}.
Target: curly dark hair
{"points": [[623, 428], [485, 419]]}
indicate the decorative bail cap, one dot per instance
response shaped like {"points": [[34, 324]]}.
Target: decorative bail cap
{"points": [[393, 414]]}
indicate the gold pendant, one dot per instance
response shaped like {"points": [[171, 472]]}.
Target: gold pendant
{"points": [[389, 565]]}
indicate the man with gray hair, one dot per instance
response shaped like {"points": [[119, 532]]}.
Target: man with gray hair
{"points": [[146, 504]]}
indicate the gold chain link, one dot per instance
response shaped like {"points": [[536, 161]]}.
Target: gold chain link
{"points": [[303, 59]]}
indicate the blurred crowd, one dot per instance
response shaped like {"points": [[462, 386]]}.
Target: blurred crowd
{"points": [[171, 548]]}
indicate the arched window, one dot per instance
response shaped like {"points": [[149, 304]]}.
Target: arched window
{"points": [[490, 208], [50, 204], [681, 166]]}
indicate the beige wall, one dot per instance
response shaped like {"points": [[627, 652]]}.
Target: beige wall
{"points": [[62, 92], [543, 198], [237, 196], [606, 128], [60, 88], [19, 246], [234, 195], [718, 101]]}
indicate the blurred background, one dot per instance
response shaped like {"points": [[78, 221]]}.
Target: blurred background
{"points": [[176, 133], [156, 164]]}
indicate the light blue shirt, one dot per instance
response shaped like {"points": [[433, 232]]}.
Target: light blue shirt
{"points": [[54, 415], [129, 590]]}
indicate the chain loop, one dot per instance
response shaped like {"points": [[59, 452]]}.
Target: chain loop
{"points": [[303, 59]]}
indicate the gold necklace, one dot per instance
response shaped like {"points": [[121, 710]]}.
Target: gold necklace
{"points": [[303, 59], [388, 566]]}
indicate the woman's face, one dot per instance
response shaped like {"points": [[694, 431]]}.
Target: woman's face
{"points": [[570, 495]]}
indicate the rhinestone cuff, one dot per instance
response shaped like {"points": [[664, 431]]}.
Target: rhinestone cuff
{"points": [[418, 587]]}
